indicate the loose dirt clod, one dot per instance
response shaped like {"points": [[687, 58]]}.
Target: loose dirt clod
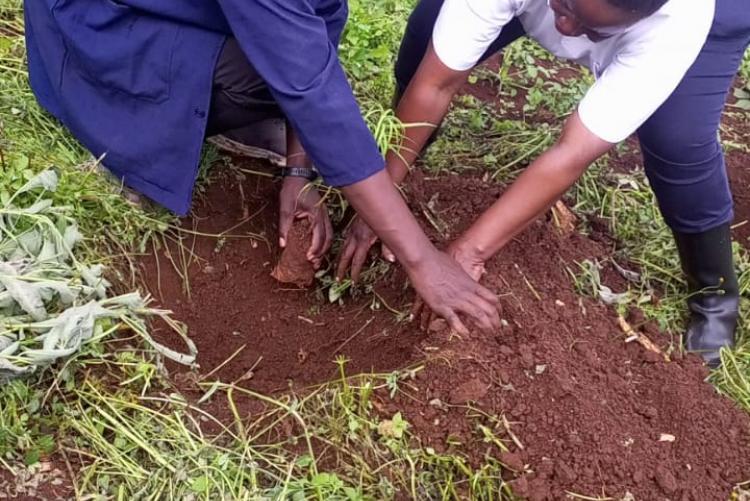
{"points": [[293, 266]]}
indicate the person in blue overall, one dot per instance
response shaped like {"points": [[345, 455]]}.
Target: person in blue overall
{"points": [[663, 70], [143, 83]]}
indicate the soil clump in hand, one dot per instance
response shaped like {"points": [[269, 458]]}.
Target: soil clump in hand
{"points": [[293, 266]]}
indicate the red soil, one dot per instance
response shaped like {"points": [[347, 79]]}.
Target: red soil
{"points": [[594, 415]]}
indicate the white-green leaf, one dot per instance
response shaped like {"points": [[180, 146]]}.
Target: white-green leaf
{"points": [[31, 242], [26, 295], [46, 179], [48, 252], [40, 206], [71, 237]]}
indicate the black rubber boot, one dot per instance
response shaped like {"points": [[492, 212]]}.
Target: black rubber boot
{"points": [[714, 294]]}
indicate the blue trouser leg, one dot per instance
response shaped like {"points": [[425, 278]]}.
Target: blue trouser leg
{"points": [[419, 33], [682, 154]]}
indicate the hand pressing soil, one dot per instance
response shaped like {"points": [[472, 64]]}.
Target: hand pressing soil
{"points": [[293, 266]]}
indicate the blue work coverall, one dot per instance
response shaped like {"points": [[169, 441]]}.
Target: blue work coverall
{"points": [[132, 79]]}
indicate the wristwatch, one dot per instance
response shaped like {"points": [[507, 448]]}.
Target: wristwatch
{"points": [[306, 172]]}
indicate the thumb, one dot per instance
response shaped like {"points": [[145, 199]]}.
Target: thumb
{"points": [[387, 254]]}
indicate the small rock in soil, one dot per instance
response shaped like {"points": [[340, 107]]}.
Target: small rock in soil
{"points": [[293, 266]]}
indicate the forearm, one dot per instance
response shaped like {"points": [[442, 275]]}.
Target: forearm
{"points": [[295, 153], [379, 203], [421, 110], [535, 190]]}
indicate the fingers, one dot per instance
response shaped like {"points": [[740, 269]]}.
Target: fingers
{"points": [[318, 239], [329, 234], [360, 256], [455, 323], [345, 258], [322, 235], [488, 311], [286, 216], [387, 254], [425, 318], [487, 294]]}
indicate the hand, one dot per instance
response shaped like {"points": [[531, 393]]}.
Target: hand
{"points": [[359, 239], [446, 289], [467, 257], [469, 261], [300, 199]]}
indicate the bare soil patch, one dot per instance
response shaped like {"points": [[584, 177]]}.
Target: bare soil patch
{"points": [[579, 408]]}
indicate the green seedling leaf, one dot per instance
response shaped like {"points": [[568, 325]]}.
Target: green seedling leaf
{"points": [[31, 242], [20, 163], [200, 484], [393, 428], [32, 457]]}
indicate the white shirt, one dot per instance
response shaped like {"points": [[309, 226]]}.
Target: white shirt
{"points": [[636, 70]]}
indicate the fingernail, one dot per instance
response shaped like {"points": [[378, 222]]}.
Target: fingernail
{"points": [[391, 259], [282, 242]]}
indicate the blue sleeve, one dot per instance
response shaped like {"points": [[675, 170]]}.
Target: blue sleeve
{"points": [[290, 46]]}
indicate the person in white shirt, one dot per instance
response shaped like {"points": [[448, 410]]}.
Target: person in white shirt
{"points": [[663, 70]]}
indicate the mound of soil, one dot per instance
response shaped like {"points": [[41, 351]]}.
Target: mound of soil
{"points": [[293, 266], [277, 335], [590, 413], [579, 409]]}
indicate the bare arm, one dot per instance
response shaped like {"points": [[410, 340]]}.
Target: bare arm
{"points": [[425, 102], [443, 285], [535, 190]]}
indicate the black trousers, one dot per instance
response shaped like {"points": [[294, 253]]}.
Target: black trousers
{"points": [[240, 97]]}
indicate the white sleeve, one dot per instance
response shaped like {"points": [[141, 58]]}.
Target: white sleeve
{"points": [[638, 82], [465, 29]]}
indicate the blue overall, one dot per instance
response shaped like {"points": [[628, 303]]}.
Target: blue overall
{"points": [[682, 154], [132, 79]]}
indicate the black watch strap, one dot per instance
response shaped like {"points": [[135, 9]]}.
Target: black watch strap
{"points": [[305, 172]]}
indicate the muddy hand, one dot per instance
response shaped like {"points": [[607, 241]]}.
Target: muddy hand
{"points": [[469, 261], [446, 290], [359, 239], [300, 199]]}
